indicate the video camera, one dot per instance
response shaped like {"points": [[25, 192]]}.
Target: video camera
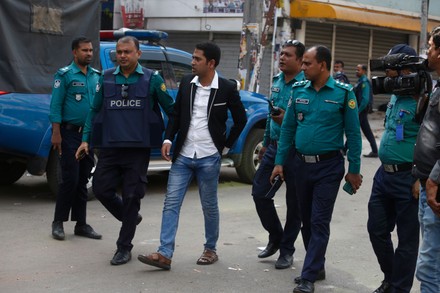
{"points": [[418, 82]]}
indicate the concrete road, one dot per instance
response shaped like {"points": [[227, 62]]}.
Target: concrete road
{"points": [[31, 261]]}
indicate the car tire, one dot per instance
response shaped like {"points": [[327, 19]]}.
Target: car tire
{"points": [[53, 174], [10, 172], [249, 161]]}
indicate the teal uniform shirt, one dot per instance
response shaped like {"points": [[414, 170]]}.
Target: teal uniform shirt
{"points": [[280, 95], [316, 121], [72, 94], [158, 92], [366, 88], [399, 137]]}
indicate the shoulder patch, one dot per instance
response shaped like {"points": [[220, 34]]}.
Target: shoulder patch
{"points": [[300, 83], [352, 104], [56, 83], [163, 87], [64, 70], [156, 72]]}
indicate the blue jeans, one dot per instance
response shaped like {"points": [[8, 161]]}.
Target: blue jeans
{"points": [[392, 204], [428, 262], [183, 170]]}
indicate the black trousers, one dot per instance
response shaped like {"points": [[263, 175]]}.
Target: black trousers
{"points": [[317, 186], [72, 188], [263, 194], [125, 168], [366, 129]]}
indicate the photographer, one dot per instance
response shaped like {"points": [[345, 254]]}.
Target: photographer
{"points": [[427, 169], [392, 202]]}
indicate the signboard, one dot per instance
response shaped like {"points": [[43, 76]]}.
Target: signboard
{"points": [[132, 13]]}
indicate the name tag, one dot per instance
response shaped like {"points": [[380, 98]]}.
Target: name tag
{"points": [[77, 83], [302, 101], [276, 89]]}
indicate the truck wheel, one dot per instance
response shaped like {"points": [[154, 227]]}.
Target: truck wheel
{"points": [[249, 162], [10, 172], [53, 174]]}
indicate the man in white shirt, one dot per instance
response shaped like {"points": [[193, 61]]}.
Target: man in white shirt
{"points": [[199, 121]]}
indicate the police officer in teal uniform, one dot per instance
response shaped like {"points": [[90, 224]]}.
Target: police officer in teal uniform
{"points": [[127, 123], [72, 94], [393, 202], [319, 112], [262, 190], [364, 96]]}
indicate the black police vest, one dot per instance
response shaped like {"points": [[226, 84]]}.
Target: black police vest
{"points": [[127, 122], [427, 150]]}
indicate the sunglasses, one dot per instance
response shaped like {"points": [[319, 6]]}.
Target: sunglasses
{"points": [[124, 91], [293, 42]]}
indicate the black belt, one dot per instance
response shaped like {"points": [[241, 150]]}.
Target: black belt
{"points": [[72, 127], [397, 168], [317, 158], [273, 142]]}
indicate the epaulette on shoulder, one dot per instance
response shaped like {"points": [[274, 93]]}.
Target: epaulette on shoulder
{"points": [[300, 83], [344, 85], [276, 76], [64, 70], [96, 70]]}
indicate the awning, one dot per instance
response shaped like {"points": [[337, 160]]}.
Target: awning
{"points": [[302, 9]]}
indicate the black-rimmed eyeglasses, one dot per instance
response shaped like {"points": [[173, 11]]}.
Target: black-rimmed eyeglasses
{"points": [[124, 91]]}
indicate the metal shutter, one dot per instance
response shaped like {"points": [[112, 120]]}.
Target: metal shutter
{"points": [[228, 43], [318, 34], [230, 46], [185, 41], [383, 41], [351, 46]]}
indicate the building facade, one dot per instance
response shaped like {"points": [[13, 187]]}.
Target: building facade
{"points": [[355, 31]]}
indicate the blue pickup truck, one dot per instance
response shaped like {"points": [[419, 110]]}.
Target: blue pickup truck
{"points": [[26, 132]]}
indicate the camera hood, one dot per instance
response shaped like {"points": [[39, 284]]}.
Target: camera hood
{"points": [[398, 62]]}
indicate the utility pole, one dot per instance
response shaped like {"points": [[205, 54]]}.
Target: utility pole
{"points": [[250, 35], [268, 23], [423, 26]]}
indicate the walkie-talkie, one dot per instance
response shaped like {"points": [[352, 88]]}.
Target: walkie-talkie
{"points": [[274, 110]]}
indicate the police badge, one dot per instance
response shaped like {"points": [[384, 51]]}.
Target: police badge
{"points": [[300, 116], [78, 97]]}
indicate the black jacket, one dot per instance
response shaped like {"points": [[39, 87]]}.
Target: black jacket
{"points": [[427, 149], [225, 98]]}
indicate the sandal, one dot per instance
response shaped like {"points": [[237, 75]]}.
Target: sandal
{"points": [[156, 260], [208, 257]]}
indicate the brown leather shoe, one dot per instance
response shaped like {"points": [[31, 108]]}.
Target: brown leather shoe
{"points": [[156, 260]]}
